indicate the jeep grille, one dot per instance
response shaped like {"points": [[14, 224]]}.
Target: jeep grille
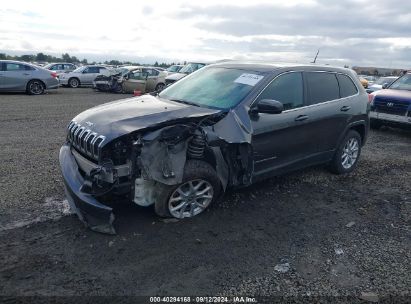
{"points": [[84, 140]]}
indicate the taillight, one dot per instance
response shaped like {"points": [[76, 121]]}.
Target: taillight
{"points": [[54, 74], [371, 98]]}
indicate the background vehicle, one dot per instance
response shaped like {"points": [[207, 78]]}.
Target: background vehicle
{"points": [[227, 125], [187, 69], [392, 106], [20, 76], [84, 75], [174, 69], [364, 82], [61, 68], [111, 80], [128, 79], [144, 79], [382, 81]]}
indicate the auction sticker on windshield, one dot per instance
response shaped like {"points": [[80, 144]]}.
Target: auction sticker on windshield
{"points": [[249, 79]]}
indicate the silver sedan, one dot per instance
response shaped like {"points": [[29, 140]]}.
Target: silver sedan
{"points": [[17, 76], [84, 75]]}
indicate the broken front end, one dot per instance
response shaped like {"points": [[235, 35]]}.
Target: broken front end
{"points": [[137, 165]]}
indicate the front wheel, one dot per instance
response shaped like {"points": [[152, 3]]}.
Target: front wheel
{"points": [[160, 87], [375, 125], [35, 87], [74, 83], [200, 187], [346, 157]]}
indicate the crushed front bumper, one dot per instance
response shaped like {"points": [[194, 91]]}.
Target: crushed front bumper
{"points": [[90, 211]]}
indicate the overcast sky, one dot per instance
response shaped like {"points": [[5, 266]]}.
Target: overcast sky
{"points": [[353, 32]]}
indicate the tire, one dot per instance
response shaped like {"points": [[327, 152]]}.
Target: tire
{"points": [[74, 82], [375, 125], [348, 152], [201, 176], [119, 89], [160, 87], [35, 87]]}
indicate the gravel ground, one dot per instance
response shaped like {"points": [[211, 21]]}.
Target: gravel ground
{"points": [[306, 234]]}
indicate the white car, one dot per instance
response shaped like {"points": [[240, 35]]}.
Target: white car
{"points": [[381, 83], [84, 75], [187, 69], [61, 68]]}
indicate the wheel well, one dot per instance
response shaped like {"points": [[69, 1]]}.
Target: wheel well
{"points": [[78, 79], [361, 130], [27, 85]]}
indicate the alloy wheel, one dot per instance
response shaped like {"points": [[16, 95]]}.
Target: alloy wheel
{"points": [[191, 198], [36, 88], [350, 153]]}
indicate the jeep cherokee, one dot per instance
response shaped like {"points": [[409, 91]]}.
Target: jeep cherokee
{"points": [[225, 125]]}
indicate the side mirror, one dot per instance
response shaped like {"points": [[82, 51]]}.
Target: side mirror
{"points": [[268, 106], [385, 85], [84, 71]]}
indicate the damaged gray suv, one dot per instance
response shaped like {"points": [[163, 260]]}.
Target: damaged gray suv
{"points": [[226, 125]]}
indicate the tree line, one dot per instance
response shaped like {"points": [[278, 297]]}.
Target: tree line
{"points": [[41, 57]]}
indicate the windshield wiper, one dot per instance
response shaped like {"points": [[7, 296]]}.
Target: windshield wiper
{"points": [[185, 102]]}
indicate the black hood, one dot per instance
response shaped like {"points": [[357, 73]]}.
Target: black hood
{"points": [[121, 117]]}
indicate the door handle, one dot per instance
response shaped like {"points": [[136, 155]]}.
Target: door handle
{"points": [[345, 108], [301, 117], [26, 74]]}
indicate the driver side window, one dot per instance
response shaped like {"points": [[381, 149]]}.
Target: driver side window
{"points": [[137, 75], [287, 89]]}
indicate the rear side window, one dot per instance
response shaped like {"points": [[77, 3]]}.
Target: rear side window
{"points": [[287, 89], [347, 87], [321, 86]]}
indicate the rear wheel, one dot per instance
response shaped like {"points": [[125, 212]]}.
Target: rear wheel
{"points": [[74, 83], [200, 187], [35, 87], [346, 157]]}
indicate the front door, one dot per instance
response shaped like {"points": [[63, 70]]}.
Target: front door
{"points": [[15, 76], [282, 140], [135, 82]]}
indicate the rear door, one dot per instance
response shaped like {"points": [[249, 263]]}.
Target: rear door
{"points": [[1, 75], [329, 113], [89, 74], [15, 76], [281, 140]]}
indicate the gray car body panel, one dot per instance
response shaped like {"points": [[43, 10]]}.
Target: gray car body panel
{"points": [[16, 81]]}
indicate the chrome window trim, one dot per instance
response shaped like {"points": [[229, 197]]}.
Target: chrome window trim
{"points": [[313, 105]]}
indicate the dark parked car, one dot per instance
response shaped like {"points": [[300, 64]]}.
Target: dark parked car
{"points": [[227, 125], [392, 105]]}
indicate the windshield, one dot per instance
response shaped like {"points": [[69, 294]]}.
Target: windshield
{"points": [[173, 68], [402, 83], [79, 69], [191, 67], [384, 80], [213, 87]]}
